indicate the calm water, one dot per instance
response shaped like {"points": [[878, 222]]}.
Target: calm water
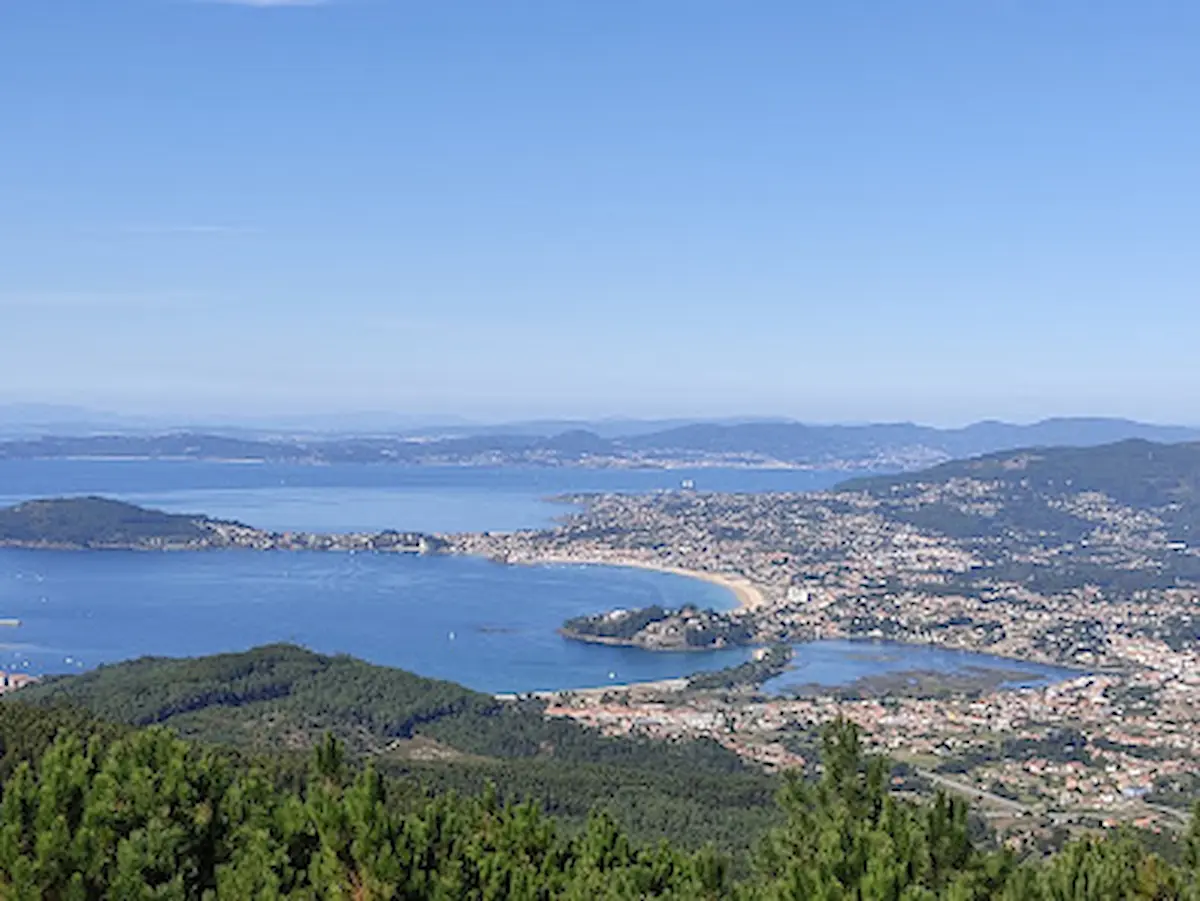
{"points": [[838, 662], [487, 626], [364, 497]]}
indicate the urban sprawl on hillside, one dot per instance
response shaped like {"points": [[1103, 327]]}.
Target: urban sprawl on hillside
{"points": [[1007, 558]]}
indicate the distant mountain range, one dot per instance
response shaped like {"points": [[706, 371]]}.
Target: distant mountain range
{"points": [[894, 446], [903, 444], [38, 420]]}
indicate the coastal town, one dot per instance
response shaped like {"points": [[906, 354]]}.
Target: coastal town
{"points": [[1080, 752], [235, 535], [1006, 559], [1118, 742], [97, 523], [599, 451]]}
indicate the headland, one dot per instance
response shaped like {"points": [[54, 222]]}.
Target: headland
{"points": [[98, 523]]}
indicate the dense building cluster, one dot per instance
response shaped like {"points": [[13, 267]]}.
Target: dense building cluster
{"points": [[1053, 575]]}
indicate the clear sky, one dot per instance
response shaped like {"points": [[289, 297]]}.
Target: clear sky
{"points": [[838, 210]]}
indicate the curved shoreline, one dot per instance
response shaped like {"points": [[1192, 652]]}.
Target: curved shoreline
{"points": [[746, 595]]}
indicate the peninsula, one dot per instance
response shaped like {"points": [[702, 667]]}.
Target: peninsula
{"points": [[97, 523], [658, 629]]}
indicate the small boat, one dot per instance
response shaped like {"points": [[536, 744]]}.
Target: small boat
{"points": [[12, 622]]}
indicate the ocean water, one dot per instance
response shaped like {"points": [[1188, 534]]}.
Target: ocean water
{"points": [[368, 497], [485, 625]]}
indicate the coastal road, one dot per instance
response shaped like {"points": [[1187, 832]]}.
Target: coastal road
{"points": [[966, 788]]}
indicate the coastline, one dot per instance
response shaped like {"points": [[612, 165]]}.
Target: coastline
{"points": [[596, 691], [746, 595]]}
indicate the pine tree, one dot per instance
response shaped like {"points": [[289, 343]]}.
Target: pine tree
{"points": [[150, 817], [1107, 869], [848, 837]]}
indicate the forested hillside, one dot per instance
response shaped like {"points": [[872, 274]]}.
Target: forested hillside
{"points": [[285, 698], [87, 522], [98, 813]]}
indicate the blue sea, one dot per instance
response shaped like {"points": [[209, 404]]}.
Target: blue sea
{"points": [[351, 498], [485, 625]]}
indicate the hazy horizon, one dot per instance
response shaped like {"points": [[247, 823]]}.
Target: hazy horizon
{"points": [[331, 420], [933, 212]]}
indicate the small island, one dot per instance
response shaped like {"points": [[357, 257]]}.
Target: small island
{"points": [[657, 628], [98, 523]]}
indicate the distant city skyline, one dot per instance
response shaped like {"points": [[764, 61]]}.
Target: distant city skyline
{"points": [[934, 212]]}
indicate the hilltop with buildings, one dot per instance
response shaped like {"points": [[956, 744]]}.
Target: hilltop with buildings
{"points": [[1076, 557], [97, 523]]}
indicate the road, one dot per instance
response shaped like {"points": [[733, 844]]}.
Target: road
{"points": [[966, 788]]}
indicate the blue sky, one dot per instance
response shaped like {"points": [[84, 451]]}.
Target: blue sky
{"points": [[938, 211]]}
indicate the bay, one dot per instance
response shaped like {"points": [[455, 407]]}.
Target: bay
{"points": [[487, 626], [362, 497]]}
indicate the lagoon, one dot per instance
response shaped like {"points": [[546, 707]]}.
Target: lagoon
{"points": [[834, 663]]}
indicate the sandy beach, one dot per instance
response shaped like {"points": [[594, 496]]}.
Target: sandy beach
{"points": [[745, 592]]}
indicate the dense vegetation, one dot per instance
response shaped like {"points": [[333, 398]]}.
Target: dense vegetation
{"points": [[685, 628], [89, 522], [773, 661], [619, 624], [279, 694], [95, 814], [447, 737]]}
